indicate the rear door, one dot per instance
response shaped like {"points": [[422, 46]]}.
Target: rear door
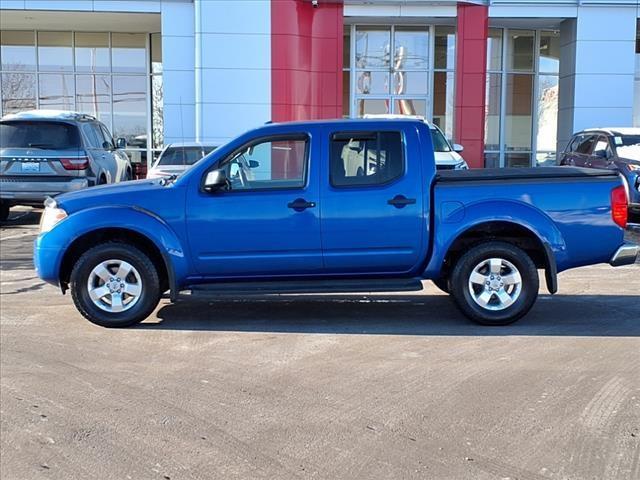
{"points": [[38, 150], [371, 203]]}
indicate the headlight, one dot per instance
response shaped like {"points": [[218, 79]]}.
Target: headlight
{"points": [[633, 167], [51, 216], [461, 166]]}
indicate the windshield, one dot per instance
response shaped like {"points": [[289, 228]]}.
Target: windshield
{"points": [[183, 155], [440, 143], [43, 135], [628, 146]]}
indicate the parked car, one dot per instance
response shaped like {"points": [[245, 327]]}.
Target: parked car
{"points": [[176, 158], [611, 148], [44, 153], [447, 154], [305, 221]]}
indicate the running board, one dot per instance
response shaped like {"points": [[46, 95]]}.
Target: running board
{"points": [[305, 286]]}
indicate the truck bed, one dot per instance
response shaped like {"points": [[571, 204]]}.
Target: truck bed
{"points": [[520, 174]]}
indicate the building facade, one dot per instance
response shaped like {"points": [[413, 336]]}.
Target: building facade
{"points": [[510, 80]]}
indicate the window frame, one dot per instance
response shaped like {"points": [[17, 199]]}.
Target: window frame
{"points": [[359, 133], [303, 136]]}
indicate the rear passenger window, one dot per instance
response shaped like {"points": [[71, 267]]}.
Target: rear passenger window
{"points": [[365, 159], [91, 133]]}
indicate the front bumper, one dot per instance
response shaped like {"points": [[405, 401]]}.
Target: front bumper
{"points": [[35, 192], [627, 254]]}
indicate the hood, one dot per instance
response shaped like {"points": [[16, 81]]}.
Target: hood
{"points": [[134, 193], [447, 158]]}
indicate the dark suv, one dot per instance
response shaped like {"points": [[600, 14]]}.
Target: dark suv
{"points": [[44, 153], [613, 149]]}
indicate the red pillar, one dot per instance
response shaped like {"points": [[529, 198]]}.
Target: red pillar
{"points": [[306, 60], [471, 76]]}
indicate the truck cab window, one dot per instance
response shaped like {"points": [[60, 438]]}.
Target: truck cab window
{"points": [[365, 160]]}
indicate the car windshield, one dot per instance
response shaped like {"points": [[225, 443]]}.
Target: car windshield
{"points": [[628, 146], [42, 135], [440, 143], [183, 155]]}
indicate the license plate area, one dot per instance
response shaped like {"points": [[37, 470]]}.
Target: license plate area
{"points": [[30, 166]]}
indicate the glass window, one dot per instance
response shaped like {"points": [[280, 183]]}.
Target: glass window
{"points": [[373, 159], [374, 107], [410, 106], [271, 164], [346, 46], [130, 109], [180, 156], [56, 91], [440, 143], [518, 115], [18, 92], [55, 52], [628, 146], [92, 52], [128, 52], [18, 50], [91, 134], [35, 134], [157, 109], [520, 52], [494, 49], [410, 83], [445, 48], [549, 61], [492, 111], [411, 48], [444, 101], [107, 135], [602, 148], [156, 53], [346, 97], [93, 96], [546, 159], [517, 160], [492, 160], [372, 82], [547, 113], [373, 47]]}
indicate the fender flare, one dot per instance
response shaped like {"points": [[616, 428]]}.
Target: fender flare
{"points": [[507, 211], [134, 219]]}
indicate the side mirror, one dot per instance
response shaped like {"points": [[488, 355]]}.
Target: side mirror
{"points": [[121, 143], [254, 164], [458, 148], [215, 180]]}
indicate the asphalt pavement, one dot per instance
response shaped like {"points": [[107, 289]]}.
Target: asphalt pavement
{"points": [[342, 387]]}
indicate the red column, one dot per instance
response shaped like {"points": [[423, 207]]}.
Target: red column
{"points": [[471, 76], [306, 60]]}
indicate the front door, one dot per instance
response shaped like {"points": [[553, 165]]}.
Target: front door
{"points": [[372, 204], [266, 223]]}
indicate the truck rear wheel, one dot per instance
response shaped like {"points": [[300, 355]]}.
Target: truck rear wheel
{"points": [[495, 283], [115, 285]]}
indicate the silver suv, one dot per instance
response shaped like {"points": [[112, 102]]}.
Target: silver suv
{"points": [[44, 153]]}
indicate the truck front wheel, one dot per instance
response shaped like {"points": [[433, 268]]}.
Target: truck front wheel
{"points": [[115, 285], [495, 283]]}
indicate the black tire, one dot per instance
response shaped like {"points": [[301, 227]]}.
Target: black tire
{"points": [[4, 211], [149, 297], [442, 284], [475, 256]]}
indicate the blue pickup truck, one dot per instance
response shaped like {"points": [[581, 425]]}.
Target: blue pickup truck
{"points": [[334, 206]]}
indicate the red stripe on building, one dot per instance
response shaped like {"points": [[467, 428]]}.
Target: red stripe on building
{"points": [[306, 60], [471, 77]]}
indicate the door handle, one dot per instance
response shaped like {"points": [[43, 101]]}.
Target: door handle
{"points": [[400, 201], [300, 204]]}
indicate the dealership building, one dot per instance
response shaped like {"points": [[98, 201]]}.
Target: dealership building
{"points": [[510, 80]]}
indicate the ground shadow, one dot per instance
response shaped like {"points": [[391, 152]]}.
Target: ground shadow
{"points": [[560, 315]]}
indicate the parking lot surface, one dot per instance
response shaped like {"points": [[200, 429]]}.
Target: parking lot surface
{"points": [[346, 387]]}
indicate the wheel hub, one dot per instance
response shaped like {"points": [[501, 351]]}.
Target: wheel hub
{"points": [[495, 283], [114, 286]]}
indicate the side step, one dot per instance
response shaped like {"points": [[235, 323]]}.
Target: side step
{"points": [[306, 286]]}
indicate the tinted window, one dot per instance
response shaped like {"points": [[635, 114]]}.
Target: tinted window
{"points": [[440, 143], [602, 148], [585, 144], [628, 146], [106, 135], [91, 135], [45, 135], [368, 159], [268, 164], [180, 156]]}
